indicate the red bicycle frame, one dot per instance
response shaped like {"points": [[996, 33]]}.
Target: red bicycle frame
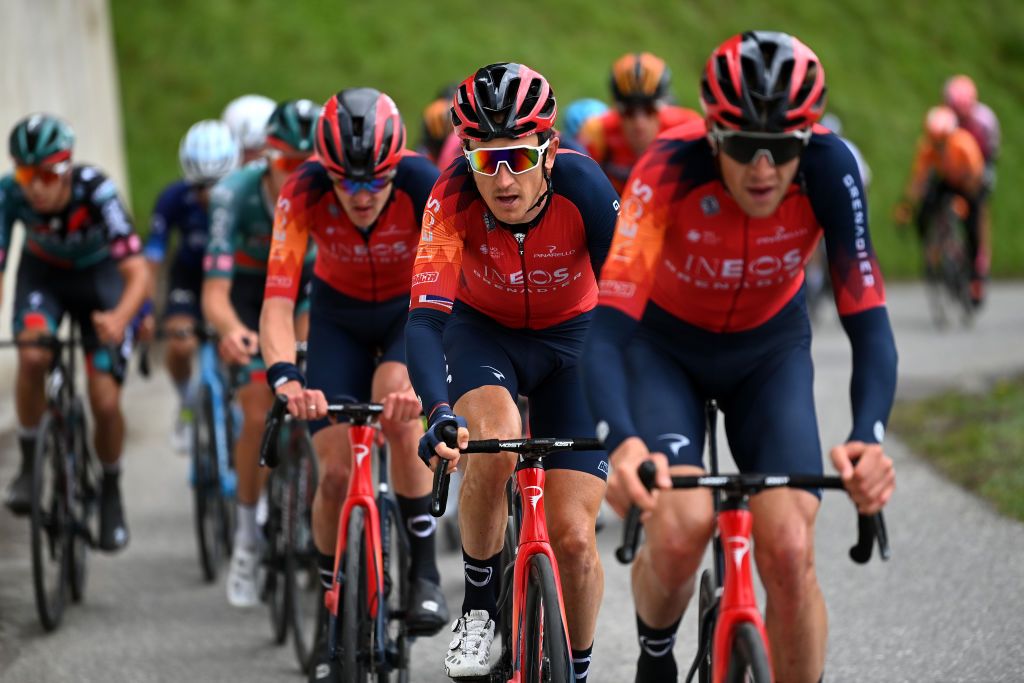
{"points": [[738, 603], [361, 493], [533, 540]]}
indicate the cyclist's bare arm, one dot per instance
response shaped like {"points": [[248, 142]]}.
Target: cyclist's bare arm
{"points": [[217, 309], [277, 330]]}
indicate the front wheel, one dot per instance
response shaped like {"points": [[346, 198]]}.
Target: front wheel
{"points": [[545, 651], [706, 613], [83, 497], [275, 587], [207, 501], [51, 524], [302, 574], [748, 658], [356, 623]]}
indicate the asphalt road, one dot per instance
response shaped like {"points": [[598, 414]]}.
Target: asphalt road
{"points": [[949, 606]]}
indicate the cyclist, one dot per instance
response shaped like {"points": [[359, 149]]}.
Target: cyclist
{"points": [[702, 297], [241, 221], [502, 293], [438, 137], [361, 200], [961, 95], [640, 89], [248, 116], [576, 114], [81, 257], [948, 161], [207, 153]]}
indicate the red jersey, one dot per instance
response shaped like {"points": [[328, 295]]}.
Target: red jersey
{"points": [[531, 276], [373, 264], [684, 243], [606, 144]]}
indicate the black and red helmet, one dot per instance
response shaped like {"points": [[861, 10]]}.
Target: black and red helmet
{"points": [[505, 100], [763, 81], [360, 134]]}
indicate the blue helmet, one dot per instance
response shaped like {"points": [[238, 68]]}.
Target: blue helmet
{"points": [[579, 111]]}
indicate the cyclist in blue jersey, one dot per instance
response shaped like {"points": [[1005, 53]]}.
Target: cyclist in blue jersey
{"points": [[208, 152], [81, 257]]}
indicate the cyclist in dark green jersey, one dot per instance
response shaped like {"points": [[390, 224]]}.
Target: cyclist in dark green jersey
{"points": [[81, 257]]}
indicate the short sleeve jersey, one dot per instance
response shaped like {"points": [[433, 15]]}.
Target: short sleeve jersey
{"points": [[241, 223], [684, 243], [958, 161], [93, 227], [371, 265], [179, 207], [521, 277], [605, 142]]}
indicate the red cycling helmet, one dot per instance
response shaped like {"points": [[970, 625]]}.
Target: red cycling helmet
{"points": [[505, 100], [360, 134], [763, 81]]}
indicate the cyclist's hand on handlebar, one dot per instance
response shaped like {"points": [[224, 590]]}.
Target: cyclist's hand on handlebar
{"points": [[867, 473], [400, 406], [237, 346], [303, 404], [432, 445], [624, 485], [109, 326]]}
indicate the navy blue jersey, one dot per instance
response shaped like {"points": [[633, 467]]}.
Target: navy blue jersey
{"points": [[179, 207]]}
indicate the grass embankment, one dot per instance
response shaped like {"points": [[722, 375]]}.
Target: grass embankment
{"points": [[976, 440], [886, 61]]}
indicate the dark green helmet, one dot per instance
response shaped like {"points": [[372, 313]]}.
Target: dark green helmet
{"points": [[39, 138], [292, 125]]}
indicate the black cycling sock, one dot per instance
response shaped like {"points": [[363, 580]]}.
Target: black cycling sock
{"points": [[483, 578], [326, 565], [581, 663], [28, 451], [656, 662], [422, 527]]}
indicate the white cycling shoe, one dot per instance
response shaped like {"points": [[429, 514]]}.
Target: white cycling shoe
{"points": [[242, 584], [469, 653]]}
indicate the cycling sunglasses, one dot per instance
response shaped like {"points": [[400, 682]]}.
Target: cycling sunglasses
{"points": [[285, 162], [47, 175], [373, 186], [519, 159], [632, 110], [747, 147]]}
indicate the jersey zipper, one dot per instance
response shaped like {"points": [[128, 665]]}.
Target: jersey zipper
{"points": [[743, 274], [369, 258], [521, 240]]}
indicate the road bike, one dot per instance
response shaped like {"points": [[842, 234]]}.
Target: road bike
{"points": [[535, 636], [368, 637], [947, 268], [732, 642]]}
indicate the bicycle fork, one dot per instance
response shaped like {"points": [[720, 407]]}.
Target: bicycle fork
{"points": [[738, 602]]}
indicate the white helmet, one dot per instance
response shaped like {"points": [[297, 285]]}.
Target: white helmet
{"points": [[247, 115], [208, 152]]}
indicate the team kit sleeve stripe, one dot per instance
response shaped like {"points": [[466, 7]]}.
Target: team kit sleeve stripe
{"points": [[289, 240], [438, 262]]}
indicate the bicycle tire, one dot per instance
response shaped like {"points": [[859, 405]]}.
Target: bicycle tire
{"points": [[546, 655], [705, 628], [356, 624], [205, 488], [50, 524], [508, 559], [396, 590], [302, 574], [275, 587], [83, 499], [748, 657]]}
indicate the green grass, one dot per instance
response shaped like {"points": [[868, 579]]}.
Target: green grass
{"points": [[978, 441], [886, 62]]}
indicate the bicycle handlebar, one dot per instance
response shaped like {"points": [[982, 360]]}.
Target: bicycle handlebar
{"points": [[359, 413], [532, 449], [869, 527]]}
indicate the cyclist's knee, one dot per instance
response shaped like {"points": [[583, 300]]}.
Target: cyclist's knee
{"points": [[334, 476], [785, 559], [676, 539], [575, 546], [486, 474], [104, 398]]}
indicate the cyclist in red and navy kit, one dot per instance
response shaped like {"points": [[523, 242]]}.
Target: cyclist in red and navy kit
{"points": [[702, 297], [360, 200], [502, 292]]}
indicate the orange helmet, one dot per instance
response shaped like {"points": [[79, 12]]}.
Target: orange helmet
{"points": [[939, 123], [639, 78], [960, 94]]}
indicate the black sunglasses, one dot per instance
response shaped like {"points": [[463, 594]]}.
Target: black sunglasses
{"points": [[746, 147]]}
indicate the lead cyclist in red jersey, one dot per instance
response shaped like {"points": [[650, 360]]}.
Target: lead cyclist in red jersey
{"points": [[504, 283], [360, 200], [702, 297]]}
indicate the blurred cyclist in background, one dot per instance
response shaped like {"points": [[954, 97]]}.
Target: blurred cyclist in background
{"points": [[961, 95], [241, 223], [576, 114], [437, 138], [207, 153], [948, 160], [247, 116], [640, 88], [81, 257]]}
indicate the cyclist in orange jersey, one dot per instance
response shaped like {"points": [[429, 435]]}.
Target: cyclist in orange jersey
{"points": [[640, 88]]}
